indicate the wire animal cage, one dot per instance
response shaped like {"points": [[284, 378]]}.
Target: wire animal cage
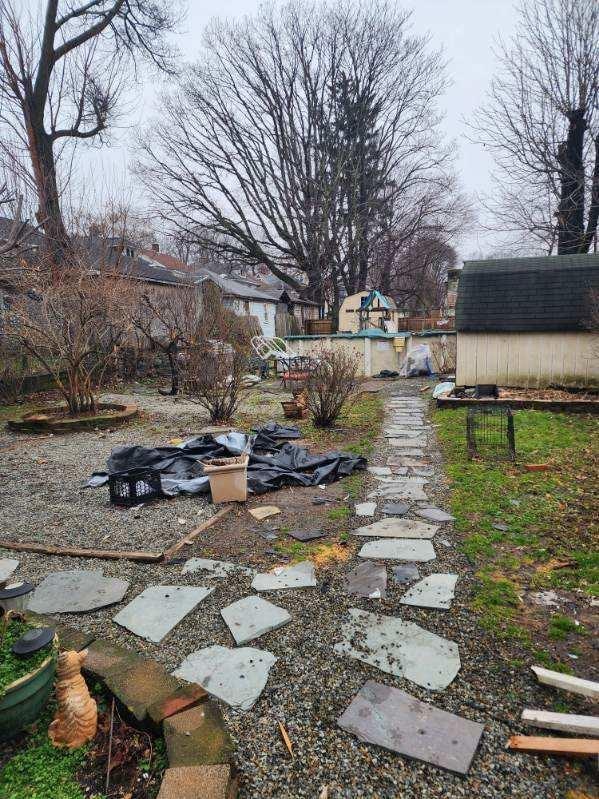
{"points": [[490, 434], [135, 486]]}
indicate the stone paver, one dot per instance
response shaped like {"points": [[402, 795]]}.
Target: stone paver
{"points": [[435, 515], [398, 549], [379, 471], [408, 443], [9, 565], [395, 508], [397, 528], [104, 657], [365, 509], [215, 568], [182, 698], [368, 580], [405, 573], [434, 591], [154, 612], [253, 616], [76, 591], [141, 685], [198, 737], [197, 782], [301, 575]]}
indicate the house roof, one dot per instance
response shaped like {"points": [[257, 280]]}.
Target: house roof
{"points": [[235, 288], [527, 294], [164, 259]]}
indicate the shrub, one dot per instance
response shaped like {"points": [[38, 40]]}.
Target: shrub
{"points": [[330, 385]]}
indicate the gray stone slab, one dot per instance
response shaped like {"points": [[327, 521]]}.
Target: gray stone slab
{"points": [[423, 471], [411, 490], [380, 471], [410, 443], [400, 460], [154, 612], [403, 479], [402, 432], [398, 549], [388, 717], [435, 591], [301, 575], [405, 573], [367, 580], [306, 535], [76, 591], [398, 528], [401, 648], [237, 676], [412, 452], [395, 508], [251, 617], [9, 565], [435, 514], [365, 508], [399, 470], [215, 568]]}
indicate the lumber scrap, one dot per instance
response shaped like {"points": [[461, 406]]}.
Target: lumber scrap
{"points": [[141, 556], [572, 747], [562, 722], [169, 553], [575, 685]]}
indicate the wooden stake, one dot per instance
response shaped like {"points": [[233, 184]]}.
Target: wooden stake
{"points": [[574, 747], [169, 553], [75, 552], [567, 683], [563, 722]]}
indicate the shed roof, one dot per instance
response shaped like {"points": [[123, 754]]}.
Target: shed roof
{"points": [[235, 288], [550, 293]]}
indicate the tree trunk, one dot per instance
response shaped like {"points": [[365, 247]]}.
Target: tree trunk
{"points": [[571, 205], [593, 217], [174, 367]]}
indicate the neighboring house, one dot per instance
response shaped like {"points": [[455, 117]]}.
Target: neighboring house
{"points": [[525, 322], [242, 298], [365, 310], [451, 296]]}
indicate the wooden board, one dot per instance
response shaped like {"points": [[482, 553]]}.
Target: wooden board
{"points": [[574, 747], [563, 722], [567, 683], [141, 556], [170, 553]]}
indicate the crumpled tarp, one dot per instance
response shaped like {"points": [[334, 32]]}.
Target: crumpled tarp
{"points": [[272, 463]]}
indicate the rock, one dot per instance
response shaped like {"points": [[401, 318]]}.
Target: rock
{"points": [[500, 526], [237, 676], [306, 535], [397, 528], [251, 617], [154, 612], [398, 549], [367, 580], [400, 648], [434, 591], [264, 511], [182, 698], [548, 599], [379, 714], [216, 568], [197, 782], [395, 509], [7, 567], [300, 575], [198, 737], [435, 514], [142, 684], [76, 591], [365, 508]]}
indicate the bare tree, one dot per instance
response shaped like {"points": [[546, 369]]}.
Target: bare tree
{"points": [[280, 145], [541, 122], [61, 78]]}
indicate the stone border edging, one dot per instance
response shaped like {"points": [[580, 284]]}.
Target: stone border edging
{"points": [[565, 406], [66, 425]]}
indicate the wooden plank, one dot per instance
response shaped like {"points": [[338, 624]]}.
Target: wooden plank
{"points": [[169, 553], [75, 552], [563, 722], [574, 747], [567, 683]]}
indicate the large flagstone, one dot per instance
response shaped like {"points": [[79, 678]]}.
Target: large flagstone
{"points": [[251, 617], [435, 591], [397, 528], [398, 549], [76, 591], [154, 612], [301, 575]]}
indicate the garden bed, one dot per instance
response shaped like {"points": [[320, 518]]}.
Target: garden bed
{"points": [[55, 419], [517, 402]]}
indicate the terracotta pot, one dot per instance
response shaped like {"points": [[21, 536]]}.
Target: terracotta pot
{"points": [[292, 409], [228, 479]]}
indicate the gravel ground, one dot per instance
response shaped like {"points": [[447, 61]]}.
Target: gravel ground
{"points": [[309, 686]]}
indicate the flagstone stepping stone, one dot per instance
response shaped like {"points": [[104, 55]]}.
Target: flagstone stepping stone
{"points": [[414, 443], [435, 514], [300, 575], [8, 565], [405, 573], [251, 617], [398, 549], [399, 470], [402, 432], [395, 509], [380, 471], [416, 452], [368, 580], [407, 462], [198, 737], [402, 479], [401, 648], [426, 471], [379, 714], [365, 508], [401, 488], [154, 612], [434, 591], [264, 511], [237, 676], [216, 568], [76, 591], [192, 782], [398, 528], [306, 535]]}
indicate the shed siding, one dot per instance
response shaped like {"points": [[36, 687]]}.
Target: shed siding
{"points": [[528, 360]]}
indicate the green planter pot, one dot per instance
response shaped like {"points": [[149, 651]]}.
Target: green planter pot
{"points": [[25, 698]]}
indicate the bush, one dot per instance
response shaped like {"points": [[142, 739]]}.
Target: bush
{"points": [[330, 385], [214, 377], [13, 371]]}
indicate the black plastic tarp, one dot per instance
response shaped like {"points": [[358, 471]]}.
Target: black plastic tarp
{"points": [[273, 463]]}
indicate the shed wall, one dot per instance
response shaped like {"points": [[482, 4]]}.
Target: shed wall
{"points": [[528, 360]]}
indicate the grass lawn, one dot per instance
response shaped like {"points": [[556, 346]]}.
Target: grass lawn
{"points": [[530, 530]]}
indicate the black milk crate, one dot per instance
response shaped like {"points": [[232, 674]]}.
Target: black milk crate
{"points": [[134, 486], [490, 433]]}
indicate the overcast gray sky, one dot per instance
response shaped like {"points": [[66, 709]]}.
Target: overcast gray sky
{"points": [[465, 29]]}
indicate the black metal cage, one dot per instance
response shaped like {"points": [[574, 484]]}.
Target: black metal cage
{"points": [[135, 486], [490, 433]]}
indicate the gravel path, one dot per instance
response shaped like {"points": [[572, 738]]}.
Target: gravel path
{"points": [[309, 686]]}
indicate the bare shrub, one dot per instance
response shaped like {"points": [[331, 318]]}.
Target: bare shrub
{"points": [[330, 385], [13, 370]]}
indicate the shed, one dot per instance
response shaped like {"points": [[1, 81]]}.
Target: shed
{"points": [[526, 322]]}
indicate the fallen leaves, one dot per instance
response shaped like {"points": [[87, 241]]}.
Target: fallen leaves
{"points": [[286, 738]]}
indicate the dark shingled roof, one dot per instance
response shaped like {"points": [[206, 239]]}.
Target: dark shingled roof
{"points": [[511, 295]]}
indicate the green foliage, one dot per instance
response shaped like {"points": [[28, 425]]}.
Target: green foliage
{"points": [[13, 667], [560, 626], [337, 514]]}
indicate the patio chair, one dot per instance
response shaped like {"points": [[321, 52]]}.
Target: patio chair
{"points": [[272, 350]]}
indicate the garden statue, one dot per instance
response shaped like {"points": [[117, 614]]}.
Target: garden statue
{"points": [[76, 720]]}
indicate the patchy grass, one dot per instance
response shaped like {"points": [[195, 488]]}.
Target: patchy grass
{"points": [[339, 514], [562, 626], [320, 554], [355, 430], [550, 516]]}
